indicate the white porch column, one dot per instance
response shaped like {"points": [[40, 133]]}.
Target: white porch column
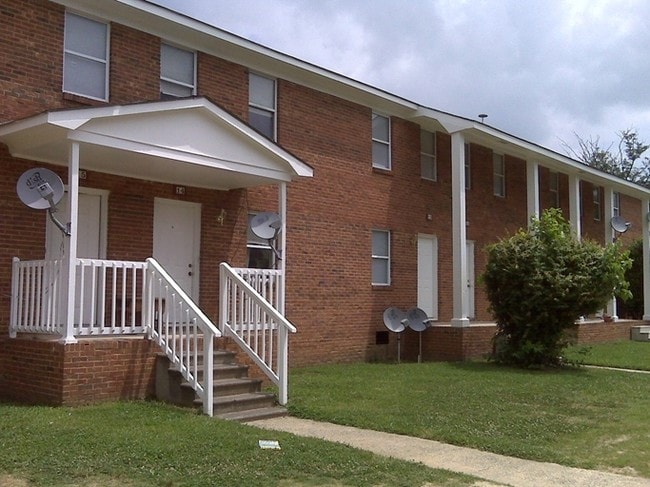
{"points": [[459, 231], [532, 189], [574, 204], [70, 243], [645, 208], [282, 206], [283, 333], [610, 236]]}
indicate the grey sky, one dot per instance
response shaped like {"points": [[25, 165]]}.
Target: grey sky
{"points": [[541, 69]]}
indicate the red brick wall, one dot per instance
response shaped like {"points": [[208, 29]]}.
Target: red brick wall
{"points": [[601, 332]]}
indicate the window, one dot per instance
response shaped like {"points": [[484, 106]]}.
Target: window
{"points": [[261, 104], [616, 203], [554, 188], [85, 57], [260, 253], [177, 72], [468, 172], [596, 200], [499, 175], [380, 257], [428, 168], [380, 141]]}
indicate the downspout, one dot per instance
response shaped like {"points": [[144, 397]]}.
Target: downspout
{"points": [[610, 237], [532, 189]]}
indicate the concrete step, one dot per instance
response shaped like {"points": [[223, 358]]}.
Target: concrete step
{"points": [[254, 414], [240, 385], [242, 402], [640, 333]]}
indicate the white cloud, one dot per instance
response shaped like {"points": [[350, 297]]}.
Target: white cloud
{"points": [[541, 69]]}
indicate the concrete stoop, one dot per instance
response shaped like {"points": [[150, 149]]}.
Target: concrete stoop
{"points": [[237, 397], [640, 333]]}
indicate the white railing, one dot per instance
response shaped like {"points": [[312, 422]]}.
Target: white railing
{"points": [[108, 297], [182, 330], [36, 302], [254, 323]]}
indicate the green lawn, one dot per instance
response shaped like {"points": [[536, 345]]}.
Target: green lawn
{"points": [[624, 354], [590, 418], [151, 444]]}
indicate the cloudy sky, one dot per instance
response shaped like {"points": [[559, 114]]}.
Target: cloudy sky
{"points": [[543, 70]]}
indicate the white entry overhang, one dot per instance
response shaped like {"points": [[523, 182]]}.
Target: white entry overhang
{"points": [[190, 142]]}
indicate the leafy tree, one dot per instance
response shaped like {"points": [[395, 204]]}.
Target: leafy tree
{"points": [[626, 161], [540, 281]]}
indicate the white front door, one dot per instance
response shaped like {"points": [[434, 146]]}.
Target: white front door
{"points": [[471, 312], [91, 240], [176, 241], [428, 275]]}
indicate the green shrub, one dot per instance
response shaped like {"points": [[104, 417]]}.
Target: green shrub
{"points": [[633, 307], [540, 281]]}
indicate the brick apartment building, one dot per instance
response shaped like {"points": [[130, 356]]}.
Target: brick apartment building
{"points": [[171, 134]]}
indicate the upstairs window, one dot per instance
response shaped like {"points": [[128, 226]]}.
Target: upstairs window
{"points": [[85, 57], [380, 257], [596, 199], [177, 72], [616, 203], [262, 104], [260, 253], [499, 175], [428, 169], [380, 141], [468, 167], [554, 188]]}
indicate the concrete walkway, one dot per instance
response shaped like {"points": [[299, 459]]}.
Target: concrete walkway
{"points": [[488, 466]]}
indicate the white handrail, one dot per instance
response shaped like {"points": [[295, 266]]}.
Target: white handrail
{"points": [[172, 320], [259, 328]]}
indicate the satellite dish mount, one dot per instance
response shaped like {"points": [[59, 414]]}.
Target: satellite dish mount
{"points": [[42, 189], [267, 226]]}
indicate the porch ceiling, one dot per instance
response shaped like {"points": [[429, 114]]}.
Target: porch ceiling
{"points": [[189, 142]]}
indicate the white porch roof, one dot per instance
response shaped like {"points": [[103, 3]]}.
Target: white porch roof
{"points": [[190, 142]]}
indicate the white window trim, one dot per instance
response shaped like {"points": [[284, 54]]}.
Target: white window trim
{"points": [[387, 143], [501, 176], [105, 61], [382, 257], [431, 157], [596, 196], [274, 110], [174, 81]]}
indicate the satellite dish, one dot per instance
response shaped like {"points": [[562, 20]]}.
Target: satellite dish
{"points": [[40, 188], [619, 224], [395, 320], [417, 319], [266, 225]]}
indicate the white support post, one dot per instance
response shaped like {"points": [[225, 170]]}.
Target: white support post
{"points": [[283, 334], [282, 205], [532, 189], [574, 205], [459, 231], [208, 368], [71, 243], [610, 237], [645, 211]]}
